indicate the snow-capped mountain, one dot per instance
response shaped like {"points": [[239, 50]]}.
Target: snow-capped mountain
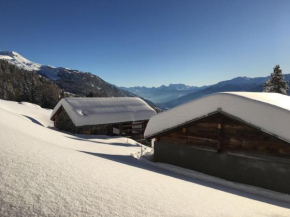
{"points": [[51, 72], [163, 93], [19, 61], [73, 81], [23, 63]]}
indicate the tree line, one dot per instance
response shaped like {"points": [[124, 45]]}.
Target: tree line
{"points": [[22, 85]]}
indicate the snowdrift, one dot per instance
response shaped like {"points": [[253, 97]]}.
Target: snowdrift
{"points": [[48, 173]]}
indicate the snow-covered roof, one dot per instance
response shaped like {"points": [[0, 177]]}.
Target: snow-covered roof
{"points": [[268, 111], [94, 111]]}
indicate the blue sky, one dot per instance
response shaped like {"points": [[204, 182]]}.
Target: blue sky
{"points": [[151, 42]]}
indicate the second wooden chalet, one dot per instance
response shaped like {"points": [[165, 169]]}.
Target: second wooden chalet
{"points": [[241, 137], [126, 116]]}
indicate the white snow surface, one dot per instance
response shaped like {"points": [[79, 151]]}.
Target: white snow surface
{"points": [[104, 110], [269, 111], [29, 111], [44, 172]]}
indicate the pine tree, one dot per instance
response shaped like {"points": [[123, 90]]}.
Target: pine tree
{"points": [[276, 83], [33, 91], [90, 94], [21, 85], [62, 94], [25, 91]]}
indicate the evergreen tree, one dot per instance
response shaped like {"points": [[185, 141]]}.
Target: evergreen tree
{"points": [[25, 91], [33, 91], [90, 94], [276, 83], [62, 94], [21, 85]]}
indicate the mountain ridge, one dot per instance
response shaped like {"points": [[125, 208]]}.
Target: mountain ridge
{"points": [[236, 84], [72, 81], [163, 93], [177, 96]]}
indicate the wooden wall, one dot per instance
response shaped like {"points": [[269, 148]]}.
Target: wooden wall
{"points": [[222, 133], [63, 122], [133, 130], [128, 129]]}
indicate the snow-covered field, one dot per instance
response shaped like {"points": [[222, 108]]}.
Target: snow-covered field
{"points": [[47, 173]]}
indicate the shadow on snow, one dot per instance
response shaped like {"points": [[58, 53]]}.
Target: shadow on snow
{"points": [[33, 120], [87, 138]]}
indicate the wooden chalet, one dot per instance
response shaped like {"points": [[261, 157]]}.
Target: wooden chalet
{"points": [[125, 116], [240, 137]]}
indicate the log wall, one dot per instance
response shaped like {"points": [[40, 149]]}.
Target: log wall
{"points": [[64, 123], [226, 134]]}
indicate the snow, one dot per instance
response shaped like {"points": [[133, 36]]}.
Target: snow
{"points": [[269, 111], [29, 111], [19, 61], [5, 57], [48, 173], [23, 63], [93, 111]]}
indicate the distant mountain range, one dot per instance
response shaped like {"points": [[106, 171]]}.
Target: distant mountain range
{"points": [[71, 81], [163, 93], [176, 94], [235, 84]]}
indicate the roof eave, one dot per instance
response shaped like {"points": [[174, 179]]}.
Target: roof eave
{"points": [[219, 110]]}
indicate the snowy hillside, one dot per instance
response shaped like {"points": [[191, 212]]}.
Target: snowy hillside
{"points": [[33, 112], [72, 81], [18, 60], [48, 173], [50, 72], [23, 63]]}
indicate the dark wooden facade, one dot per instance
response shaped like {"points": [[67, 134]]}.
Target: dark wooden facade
{"points": [[134, 130], [224, 146], [222, 133]]}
